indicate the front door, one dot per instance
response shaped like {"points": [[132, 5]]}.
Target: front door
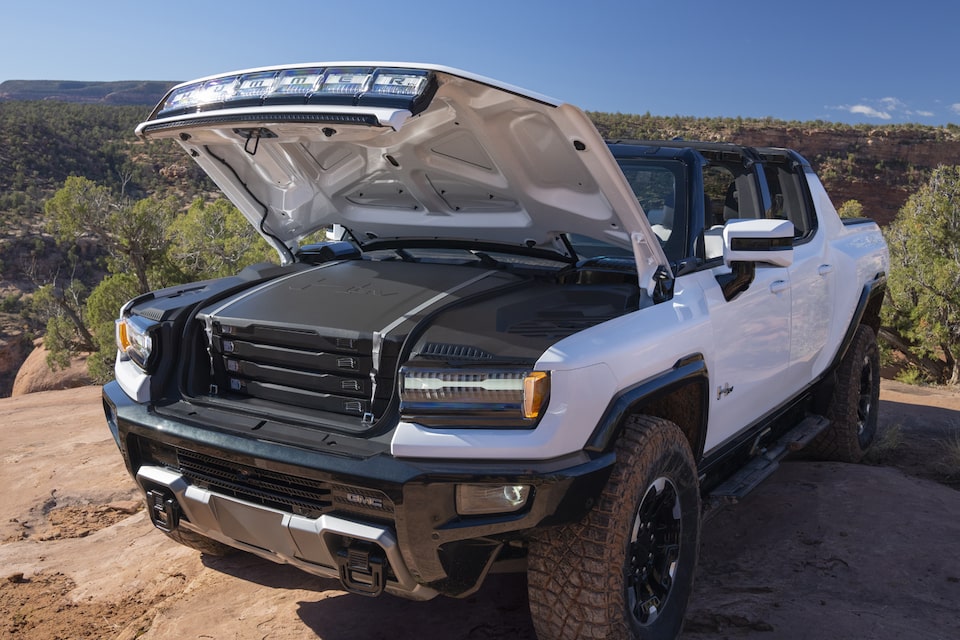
{"points": [[751, 353]]}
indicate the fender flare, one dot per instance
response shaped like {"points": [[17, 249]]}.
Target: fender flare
{"points": [[690, 370], [870, 296], [866, 312]]}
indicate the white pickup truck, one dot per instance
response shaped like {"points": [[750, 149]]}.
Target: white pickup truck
{"points": [[526, 349]]}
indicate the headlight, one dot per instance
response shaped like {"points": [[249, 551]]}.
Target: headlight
{"points": [[473, 397], [136, 339]]}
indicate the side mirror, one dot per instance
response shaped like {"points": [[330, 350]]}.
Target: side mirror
{"points": [[764, 240]]}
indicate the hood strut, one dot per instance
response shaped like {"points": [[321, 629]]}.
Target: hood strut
{"points": [[290, 258]]}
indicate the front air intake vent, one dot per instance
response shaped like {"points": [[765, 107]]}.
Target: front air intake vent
{"points": [[151, 314], [292, 494], [260, 486], [453, 352]]}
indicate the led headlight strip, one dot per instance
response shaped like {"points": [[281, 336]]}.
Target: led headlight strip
{"points": [[473, 397]]}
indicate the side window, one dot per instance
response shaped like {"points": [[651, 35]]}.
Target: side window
{"points": [[787, 201], [722, 200], [731, 191], [722, 203]]}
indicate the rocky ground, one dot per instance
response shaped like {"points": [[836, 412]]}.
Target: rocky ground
{"points": [[819, 551]]}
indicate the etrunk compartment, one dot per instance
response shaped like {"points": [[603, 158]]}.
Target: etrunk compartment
{"points": [[328, 339]]}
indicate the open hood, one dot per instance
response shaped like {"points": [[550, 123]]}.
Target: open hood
{"points": [[403, 151]]}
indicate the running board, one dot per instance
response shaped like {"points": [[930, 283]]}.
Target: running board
{"points": [[760, 467]]}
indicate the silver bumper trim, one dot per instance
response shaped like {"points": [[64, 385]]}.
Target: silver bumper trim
{"points": [[310, 544]]}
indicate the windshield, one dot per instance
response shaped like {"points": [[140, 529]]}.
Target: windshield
{"points": [[660, 186]]}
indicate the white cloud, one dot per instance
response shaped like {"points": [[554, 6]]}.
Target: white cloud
{"points": [[888, 108], [865, 110], [892, 104], [955, 107]]}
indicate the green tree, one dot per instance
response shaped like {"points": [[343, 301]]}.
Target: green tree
{"points": [[77, 207], [133, 233], [137, 240], [150, 245], [851, 209], [102, 307], [213, 240], [66, 332], [922, 313]]}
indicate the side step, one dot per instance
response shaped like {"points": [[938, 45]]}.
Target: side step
{"points": [[760, 467]]}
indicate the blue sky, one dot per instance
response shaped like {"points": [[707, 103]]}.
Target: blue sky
{"points": [[880, 62]]}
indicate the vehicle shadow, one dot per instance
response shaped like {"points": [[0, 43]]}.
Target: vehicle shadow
{"points": [[499, 610], [943, 420], [920, 440]]}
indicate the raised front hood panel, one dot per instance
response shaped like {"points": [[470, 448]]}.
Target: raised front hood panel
{"points": [[477, 161]]}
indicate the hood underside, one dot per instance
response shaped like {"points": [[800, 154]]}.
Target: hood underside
{"points": [[456, 157]]}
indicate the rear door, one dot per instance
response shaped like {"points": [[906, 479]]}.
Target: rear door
{"points": [[812, 274]]}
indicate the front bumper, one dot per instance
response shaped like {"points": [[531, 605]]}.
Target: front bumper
{"points": [[373, 521]]}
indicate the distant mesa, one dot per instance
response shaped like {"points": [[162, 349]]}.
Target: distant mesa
{"points": [[127, 92]]}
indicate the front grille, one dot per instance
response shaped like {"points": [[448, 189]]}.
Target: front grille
{"points": [[260, 486], [281, 491]]}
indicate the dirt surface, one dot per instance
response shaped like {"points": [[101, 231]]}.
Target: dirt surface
{"points": [[821, 550]]}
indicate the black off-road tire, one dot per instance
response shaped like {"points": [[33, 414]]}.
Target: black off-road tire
{"points": [[638, 545], [201, 543], [854, 407]]}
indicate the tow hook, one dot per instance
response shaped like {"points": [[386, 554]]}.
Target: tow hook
{"points": [[361, 569], [164, 510]]}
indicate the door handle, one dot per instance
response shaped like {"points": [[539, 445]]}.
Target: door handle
{"points": [[825, 269], [779, 286]]}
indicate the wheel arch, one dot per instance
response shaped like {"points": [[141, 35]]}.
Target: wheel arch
{"points": [[680, 395], [867, 312], [871, 302]]}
